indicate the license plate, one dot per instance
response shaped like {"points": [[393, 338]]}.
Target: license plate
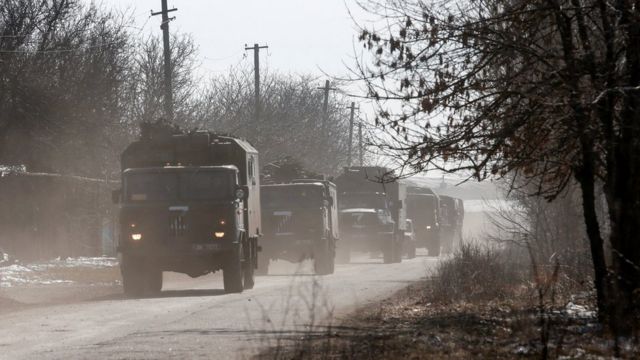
{"points": [[199, 247]]}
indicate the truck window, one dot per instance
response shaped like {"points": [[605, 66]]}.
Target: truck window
{"points": [[250, 166], [151, 187], [198, 185], [291, 197], [205, 186], [363, 200]]}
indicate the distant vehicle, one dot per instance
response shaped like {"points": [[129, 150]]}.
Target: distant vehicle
{"points": [[452, 216], [300, 221], [423, 207], [372, 213], [189, 203], [410, 240]]}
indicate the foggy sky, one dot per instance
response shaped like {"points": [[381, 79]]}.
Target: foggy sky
{"points": [[303, 36]]}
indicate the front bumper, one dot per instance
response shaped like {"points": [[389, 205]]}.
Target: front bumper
{"points": [[289, 247], [363, 241]]}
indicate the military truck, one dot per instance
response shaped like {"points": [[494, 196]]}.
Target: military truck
{"points": [[372, 213], [300, 221], [423, 207], [451, 215], [189, 203]]}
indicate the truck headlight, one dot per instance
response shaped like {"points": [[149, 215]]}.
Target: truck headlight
{"points": [[218, 234], [428, 227], [136, 237]]}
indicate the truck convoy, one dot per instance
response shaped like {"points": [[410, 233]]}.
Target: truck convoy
{"points": [[300, 221], [189, 203], [372, 213]]}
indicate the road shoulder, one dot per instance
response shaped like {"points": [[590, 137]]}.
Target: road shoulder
{"points": [[413, 324]]}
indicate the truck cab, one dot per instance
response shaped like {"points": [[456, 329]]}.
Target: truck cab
{"points": [[300, 222], [372, 212], [188, 204], [424, 210]]}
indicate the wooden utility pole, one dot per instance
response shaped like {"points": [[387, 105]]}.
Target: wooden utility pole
{"points": [[325, 107], [360, 146], [256, 70], [353, 110], [168, 92]]}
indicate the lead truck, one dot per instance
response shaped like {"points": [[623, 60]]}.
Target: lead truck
{"points": [[189, 203]]}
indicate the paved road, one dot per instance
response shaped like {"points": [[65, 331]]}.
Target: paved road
{"points": [[194, 319]]}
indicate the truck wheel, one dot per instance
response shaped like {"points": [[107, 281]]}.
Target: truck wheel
{"points": [[397, 252], [232, 274], [433, 247], [153, 277], [323, 262], [137, 279], [249, 266], [263, 265], [411, 254], [388, 252]]}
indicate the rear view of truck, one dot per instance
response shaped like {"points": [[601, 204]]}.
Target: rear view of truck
{"points": [[189, 203]]}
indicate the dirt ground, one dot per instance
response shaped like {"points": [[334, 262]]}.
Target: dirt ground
{"points": [[410, 325]]}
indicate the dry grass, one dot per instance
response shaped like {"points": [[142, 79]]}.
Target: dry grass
{"points": [[477, 304], [476, 272]]}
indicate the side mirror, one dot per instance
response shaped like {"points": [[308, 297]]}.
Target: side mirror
{"points": [[329, 200], [116, 195], [242, 192]]}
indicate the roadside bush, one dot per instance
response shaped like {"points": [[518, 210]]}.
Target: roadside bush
{"points": [[476, 272]]}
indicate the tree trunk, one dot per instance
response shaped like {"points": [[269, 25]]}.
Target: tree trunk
{"points": [[586, 179]]}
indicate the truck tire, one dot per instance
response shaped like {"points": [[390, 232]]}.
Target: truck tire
{"points": [[397, 252], [132, 277], [232, 272], [153, 277], [411, 253], [323, 261], [140, 278], [388, 252], [433, 247], [249, 265], [263, 266]]}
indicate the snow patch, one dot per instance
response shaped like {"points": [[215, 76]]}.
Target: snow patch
{"points": [[37, 273]]}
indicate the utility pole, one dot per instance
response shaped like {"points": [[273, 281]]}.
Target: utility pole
{"points": [[325, 108], [256, 70], [168, 94], [360, 147], [353, 109]]}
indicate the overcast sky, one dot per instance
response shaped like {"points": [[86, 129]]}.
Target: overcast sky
{"points": [[303, 36]]}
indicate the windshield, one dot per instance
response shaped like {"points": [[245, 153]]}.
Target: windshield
{"points": [[284, 197], [362, 200], [359, 220], [422, 209], [192, 185]]}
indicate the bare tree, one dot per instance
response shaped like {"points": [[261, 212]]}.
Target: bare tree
{"points": [[291, 118], [545, 91]]}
